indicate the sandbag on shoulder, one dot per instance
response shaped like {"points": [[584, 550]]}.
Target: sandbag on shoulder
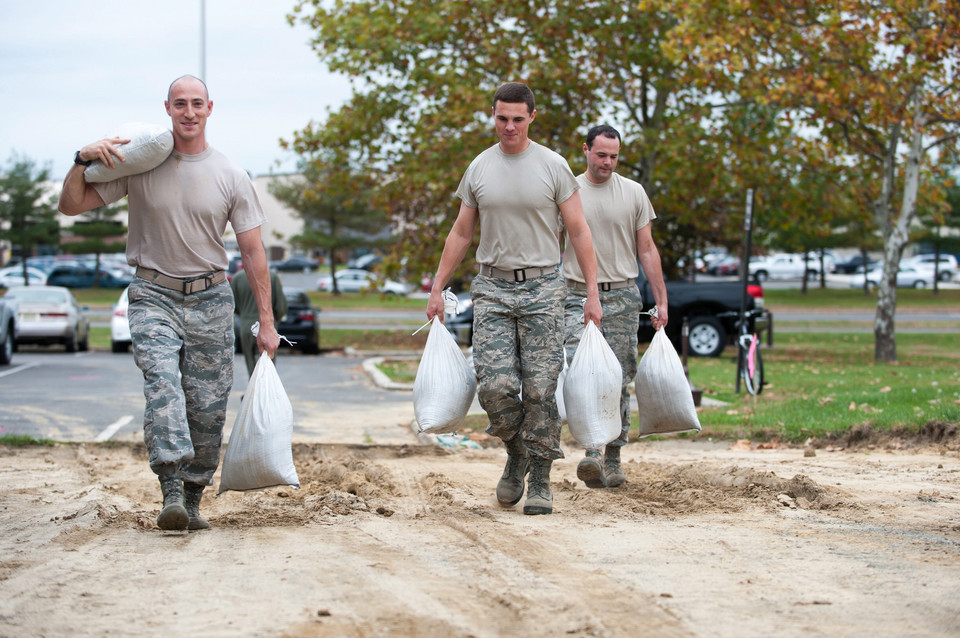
{"points": [[591, 391], [148, 147], [260, 452], [664, 398], [445, 384]]}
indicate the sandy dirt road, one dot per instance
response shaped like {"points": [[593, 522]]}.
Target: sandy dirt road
{"points": [[706, 539]]}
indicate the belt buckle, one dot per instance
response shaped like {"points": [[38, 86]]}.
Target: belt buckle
{"points": [[188, 284], [519, 275], [605, 286]]}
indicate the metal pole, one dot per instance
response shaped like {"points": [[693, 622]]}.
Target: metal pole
{"points": [[203, 40], [744, 277]]}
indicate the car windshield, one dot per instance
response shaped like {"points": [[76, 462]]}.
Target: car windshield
{"points": [[38, 296]]}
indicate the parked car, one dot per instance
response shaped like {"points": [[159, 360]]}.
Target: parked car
{"points": [[727, 265], [9, 328], [295, 264], [83, 277], [356, 280], [907, 277], [51, 314], [946, 266], [854, 264], [13, 276], [365, 262], [784, 266], [301, 324], [120, 325]]}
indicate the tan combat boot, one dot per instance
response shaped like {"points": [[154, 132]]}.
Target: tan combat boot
{"points": [[173, 516], [192, 493], [613, 474], [590, 471], [510, 486], [539, 497]]}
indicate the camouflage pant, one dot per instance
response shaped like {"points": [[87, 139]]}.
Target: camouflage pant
{"points": [[518, 353], [621, 315], [183, 344]]}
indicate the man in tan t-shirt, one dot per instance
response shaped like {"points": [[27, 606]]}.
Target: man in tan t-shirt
{"points": [[181, 306], [619, 214], [517, 192]]}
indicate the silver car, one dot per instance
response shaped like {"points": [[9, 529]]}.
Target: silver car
{"points": [[51, 314]]}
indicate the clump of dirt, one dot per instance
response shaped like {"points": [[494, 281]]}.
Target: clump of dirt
{"points": [[677, 490], [942, 435]]}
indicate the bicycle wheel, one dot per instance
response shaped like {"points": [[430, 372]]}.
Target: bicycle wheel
{"points": [[752, 370]]}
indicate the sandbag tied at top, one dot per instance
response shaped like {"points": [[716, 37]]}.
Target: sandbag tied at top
{"points": [[149, 146], [445, 384], [664, 399], [591, 391], [260, 452]]}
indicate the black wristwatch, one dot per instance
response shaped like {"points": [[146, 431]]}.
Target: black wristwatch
{"points": [[77, 160]]}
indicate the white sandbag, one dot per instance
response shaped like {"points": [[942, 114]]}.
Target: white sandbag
{"points": [[445, 384], [260, 452], [591, 391], [664, 398], [148, 147], [561, 407]]}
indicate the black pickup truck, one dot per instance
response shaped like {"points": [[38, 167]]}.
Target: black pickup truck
{"points": [[712, 310]]}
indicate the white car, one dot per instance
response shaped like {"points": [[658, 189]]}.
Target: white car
{"points": [[356, 280], [946, 271], [51, 314], [907, 277], [783, 266], [13, 276], [120, 325]]}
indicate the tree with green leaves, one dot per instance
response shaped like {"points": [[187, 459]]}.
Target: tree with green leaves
{"points": [[877, 79], [97, 232], [425, 74], [335, 206], [28, 212]]}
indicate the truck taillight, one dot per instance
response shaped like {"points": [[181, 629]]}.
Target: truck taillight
{"points": [[756, 291]]}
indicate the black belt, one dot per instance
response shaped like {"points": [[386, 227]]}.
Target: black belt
{"points": [[603, 285], [517, 274], [187, 286]]}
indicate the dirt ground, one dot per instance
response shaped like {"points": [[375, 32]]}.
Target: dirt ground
{"points": [[706, 539]]}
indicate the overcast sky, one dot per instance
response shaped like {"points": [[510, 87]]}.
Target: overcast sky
{"points": [[71, 72]]}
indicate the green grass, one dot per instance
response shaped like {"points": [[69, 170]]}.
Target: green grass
{"points": [[826, 384], [366, 301], [399, 370], [818, 386], [22, 440], [94, 297]]}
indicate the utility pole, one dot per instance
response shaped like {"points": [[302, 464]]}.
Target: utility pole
{"points": [[203, 40]]}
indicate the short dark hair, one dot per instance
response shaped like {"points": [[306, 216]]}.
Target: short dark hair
{"points": [[514, 93], [604, 130]]}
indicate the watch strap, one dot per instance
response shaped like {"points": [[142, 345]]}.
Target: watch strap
{"points": [[77, 160]]}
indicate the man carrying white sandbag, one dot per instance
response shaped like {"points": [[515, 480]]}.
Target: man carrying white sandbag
{"points": [[619, 214], [181, 306], [517, 191]]}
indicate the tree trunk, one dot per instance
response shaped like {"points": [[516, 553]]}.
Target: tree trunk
{"points": [[895, 232]]}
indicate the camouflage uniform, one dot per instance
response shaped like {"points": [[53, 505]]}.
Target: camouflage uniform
{"points": [[518, 353], [621, 320], [184, 345]]}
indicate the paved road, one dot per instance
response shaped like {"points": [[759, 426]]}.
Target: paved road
{"points": [[91, 395]]}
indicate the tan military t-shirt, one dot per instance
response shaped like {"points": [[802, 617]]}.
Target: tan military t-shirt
{"points": [[517, 197], [615, 211], [179, 211]]}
